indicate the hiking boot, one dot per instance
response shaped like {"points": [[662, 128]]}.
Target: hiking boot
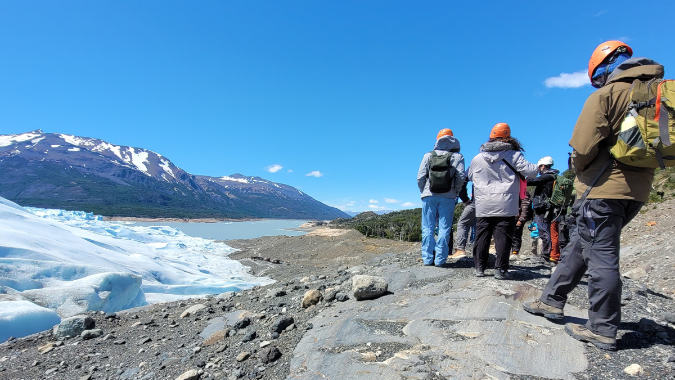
{"points": [[580, 332], [459, 253], [501, 275], [539, 308], [479, 273], [541, 261]]}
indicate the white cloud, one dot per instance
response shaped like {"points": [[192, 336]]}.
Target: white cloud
{"points": [[373, 201], [376, 207], [389, 200], [566, 80], [407, 204], [290, 171], [274, 168], [314, 173]]}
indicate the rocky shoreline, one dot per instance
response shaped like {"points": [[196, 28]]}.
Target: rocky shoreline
{"points": [[434, 323]]}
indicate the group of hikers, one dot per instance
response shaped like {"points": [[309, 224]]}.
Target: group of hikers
{"points": [[623, 133]]}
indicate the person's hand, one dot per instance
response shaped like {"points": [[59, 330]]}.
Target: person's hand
{"points": [[518, 224]]}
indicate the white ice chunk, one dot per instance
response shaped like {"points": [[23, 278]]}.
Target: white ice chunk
{"points": [[21, 318]]}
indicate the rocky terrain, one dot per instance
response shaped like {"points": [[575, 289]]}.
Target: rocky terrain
{"points": [[430, 323]]}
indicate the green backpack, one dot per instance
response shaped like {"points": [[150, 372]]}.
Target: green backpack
{"points": [[441, 173], [648, 131], [563, 193]]}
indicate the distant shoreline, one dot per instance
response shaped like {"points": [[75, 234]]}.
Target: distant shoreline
{"points": [[176, 220]]}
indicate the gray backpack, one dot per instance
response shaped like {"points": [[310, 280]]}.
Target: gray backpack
{"points": [[441, 172]]}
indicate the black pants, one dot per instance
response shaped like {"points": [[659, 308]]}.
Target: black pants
{"points": [[594, 246], [517, 238], [544, 226], [502, 229], [563, 233]]}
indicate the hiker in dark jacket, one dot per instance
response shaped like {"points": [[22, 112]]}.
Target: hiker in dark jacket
{"points": [[614, 199], [543, 212], [439, 206], [524, 214], [495, 173]]}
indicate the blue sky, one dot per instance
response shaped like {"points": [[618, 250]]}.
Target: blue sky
{"points": [[342, 97]]}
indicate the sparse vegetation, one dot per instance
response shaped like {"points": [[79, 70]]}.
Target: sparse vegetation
{"points": [[403, 225]]}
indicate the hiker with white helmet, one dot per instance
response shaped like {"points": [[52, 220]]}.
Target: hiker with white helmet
{"points": [[439, 178], [543, 211]]}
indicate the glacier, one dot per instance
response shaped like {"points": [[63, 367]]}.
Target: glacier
{"points": [[57, 263]]}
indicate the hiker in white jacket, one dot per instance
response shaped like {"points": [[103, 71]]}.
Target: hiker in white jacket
{"points": [[496, 175]]}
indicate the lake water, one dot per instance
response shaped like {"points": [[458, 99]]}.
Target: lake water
{"points": [[235, 230]]}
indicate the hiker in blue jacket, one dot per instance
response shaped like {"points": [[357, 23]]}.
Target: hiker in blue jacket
{"points": [[439, 206]]}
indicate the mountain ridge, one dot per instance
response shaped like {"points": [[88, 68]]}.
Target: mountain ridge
{"points": [[54, 170]]}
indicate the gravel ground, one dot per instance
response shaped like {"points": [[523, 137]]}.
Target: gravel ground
{"points": [[154, 342]]}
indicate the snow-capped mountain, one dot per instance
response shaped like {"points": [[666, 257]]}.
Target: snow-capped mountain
{"points": [[63, 171]]}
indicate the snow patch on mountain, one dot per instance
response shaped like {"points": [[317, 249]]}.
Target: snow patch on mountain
{"points": [[165, 165], [7, 140], [139, 159], [241, 180]]}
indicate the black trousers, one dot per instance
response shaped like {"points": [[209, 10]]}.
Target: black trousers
{"points": [[517, 238], [594, 247], [502, 230], [544, 227]]}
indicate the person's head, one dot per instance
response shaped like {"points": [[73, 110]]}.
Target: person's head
{"points": [[502, 132], [545, 163], [444, 132], [605, 58]]}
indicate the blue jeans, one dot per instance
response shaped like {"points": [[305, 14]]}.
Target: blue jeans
{"points": [[441, 209]]}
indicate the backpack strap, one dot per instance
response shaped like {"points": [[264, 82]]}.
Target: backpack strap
{"points": [[577, 205], [513, 169]]}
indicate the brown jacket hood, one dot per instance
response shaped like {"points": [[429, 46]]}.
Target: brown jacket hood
{"points": [[597, 130]]}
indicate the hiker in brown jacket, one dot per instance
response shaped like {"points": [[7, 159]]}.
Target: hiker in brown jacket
{"points": [[617, 192]]}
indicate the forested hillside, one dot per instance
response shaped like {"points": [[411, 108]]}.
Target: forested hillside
{"points": [[405, 225]]}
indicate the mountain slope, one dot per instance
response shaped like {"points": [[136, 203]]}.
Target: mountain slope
{"points": [[77, 173]]}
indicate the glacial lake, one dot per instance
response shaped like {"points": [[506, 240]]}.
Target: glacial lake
{"points": [[235, 230]]}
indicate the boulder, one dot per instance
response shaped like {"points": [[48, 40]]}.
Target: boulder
{"points": [[311, 298], [192, 310], [269, 354], [368, 287], [329, 294], [341, 297], [281, 323], [73, 326], [277, 292], [648, 326], [633, 369], [192, 374], [91, 334]]}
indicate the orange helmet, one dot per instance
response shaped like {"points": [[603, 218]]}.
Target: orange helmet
{"points": [[444, 132], [601, 52], [500, 130]]}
